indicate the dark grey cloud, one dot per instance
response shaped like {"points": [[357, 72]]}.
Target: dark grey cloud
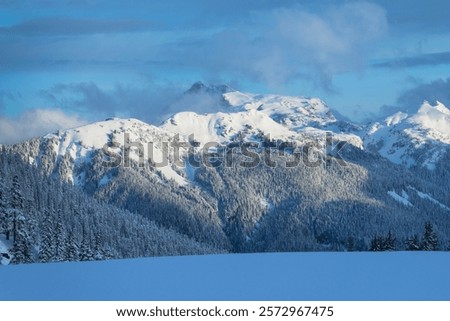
{"points": [[410, 100], [429, 59], [437, 90], [147, 103], [60, 26]]}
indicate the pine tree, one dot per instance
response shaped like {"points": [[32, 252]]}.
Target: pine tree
{"points": [[21, 250], [98, 248], [376, 244], [17, 199], [350, 244], [71, 248], [15, 206], [3, 204], [47, 248], [85, 249], [413, 243], [389, 242], [430, 241], [58, 238]]}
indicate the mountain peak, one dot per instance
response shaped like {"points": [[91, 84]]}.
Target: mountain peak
{"points": [[428, 108], [417, 139], [395, 119], [200, 87]]}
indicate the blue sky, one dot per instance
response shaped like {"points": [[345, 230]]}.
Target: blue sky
{"points": [[64, 63]]}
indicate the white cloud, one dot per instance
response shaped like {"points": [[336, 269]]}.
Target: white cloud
{"points": [[335, 41], [281, 45], [36, 122]]}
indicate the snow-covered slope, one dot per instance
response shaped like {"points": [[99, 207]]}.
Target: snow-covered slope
{"points": [[247, 116], [226, 127], [270, 276], [260, 207], [78, 145], [230, 116], [293, 112], [420, 139]]}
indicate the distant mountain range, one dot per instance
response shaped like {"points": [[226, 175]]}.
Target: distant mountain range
{"points": [[394, 177], [421, 139]]}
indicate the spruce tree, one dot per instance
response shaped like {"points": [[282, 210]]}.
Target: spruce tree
{"points": [[58, 238], [430, 241], [85, 248], [389, 242], [71, 248], [377, 244], [3, 205], [47, 248], [16, 204], [350, 244], [98, 247], [413, 243], [22, 250], [17, 199]]}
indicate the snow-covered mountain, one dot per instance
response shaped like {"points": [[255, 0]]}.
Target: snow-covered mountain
{"points": [[226, 114], [251, 117], [78, 145], [233, 116], [133, 166], [77, 155], [420, 139]]}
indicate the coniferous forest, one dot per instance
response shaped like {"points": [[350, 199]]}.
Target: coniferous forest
{"points": [[45, 220], [229, 209]]}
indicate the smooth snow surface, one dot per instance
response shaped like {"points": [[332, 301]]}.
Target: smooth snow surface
{"points": [[281, 276]]}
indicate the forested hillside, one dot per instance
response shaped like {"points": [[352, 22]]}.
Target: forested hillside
{"points": [[123, 188], [45, 220]]}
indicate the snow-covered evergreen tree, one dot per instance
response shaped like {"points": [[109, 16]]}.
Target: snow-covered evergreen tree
{"points": [[430, 241], [22, 248], [58, 238], [350, 244], [47, 247], [17, 200], [86, 253], [377, 244], [380, 243], [71, 248], [413, 243], [99, 253], [389, 242], [3, 205]]}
